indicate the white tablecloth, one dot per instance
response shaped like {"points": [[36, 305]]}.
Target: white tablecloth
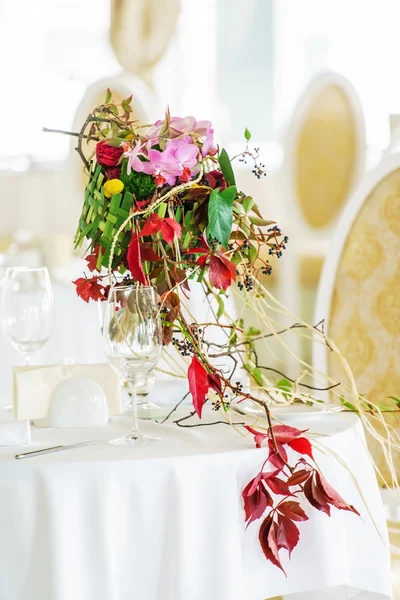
{"points": [[165, 521]]}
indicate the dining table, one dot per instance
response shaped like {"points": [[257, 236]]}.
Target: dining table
{"points": [[165, 520]]}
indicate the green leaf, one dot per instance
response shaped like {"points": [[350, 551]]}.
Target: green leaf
{"points": [[395, 400], [220, 215], [255, 372], [284, 384], [253, 331], [107, 99], [221, 307], [247, 203], [252, 254], [247, 134], [348, 405], [226, 167]]}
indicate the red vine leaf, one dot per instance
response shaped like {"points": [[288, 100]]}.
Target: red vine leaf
{"points": [[135, 260], [222, 272], [287, 534], [92, 259], [258, 436], [309, 494], [269, 542], [198, 384], [299, 477], [151, 226], [292, 510], [170, 229], [256, 499], [331, 495], [215, 382], [278, 460], [286, 434], [89, 289], [278, 486], [147, 253], [302, 446]]}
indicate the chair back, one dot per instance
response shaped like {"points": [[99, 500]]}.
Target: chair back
{"points": [[359, 290]]}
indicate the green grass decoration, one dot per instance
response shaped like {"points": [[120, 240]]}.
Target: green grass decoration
{"points": [[101, 218]]}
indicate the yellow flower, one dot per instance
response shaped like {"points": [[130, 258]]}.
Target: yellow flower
{"points": [[113, 186]]}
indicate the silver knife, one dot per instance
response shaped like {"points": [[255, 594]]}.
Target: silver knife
{"points": [[53, 449]]}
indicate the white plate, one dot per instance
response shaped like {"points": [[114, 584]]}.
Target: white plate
{"points": [[285, 412]]}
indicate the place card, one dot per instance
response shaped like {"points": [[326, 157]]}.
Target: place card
{"points": [[34, 386]]}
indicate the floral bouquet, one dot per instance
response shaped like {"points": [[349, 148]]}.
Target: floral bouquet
{"points": [[162, 208]]}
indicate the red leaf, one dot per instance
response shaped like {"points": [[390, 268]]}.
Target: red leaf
{"points": [[215, 382], [258, 436], [287, 535], [147, 253], [332, 496], [201, 261], [293, 511], [298, 477], [274, 458], [170, 229], [269, 542], [92, 259], [302, 446], [285, 434], [278, 486], [135, 261], [197, 251], [308, 492], [229, 264], [256, 499], [198, 384], [152, 225], [89, 289], [220, 274]]}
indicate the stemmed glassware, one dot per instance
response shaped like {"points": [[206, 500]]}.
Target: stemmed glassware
{"points": [[146, 409], [27, 308], [132, 334]]}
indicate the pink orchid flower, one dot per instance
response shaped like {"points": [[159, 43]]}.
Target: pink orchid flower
{"points": [[132, 154], [163, 168], [208, 144], [176, 161], [179, 126]]}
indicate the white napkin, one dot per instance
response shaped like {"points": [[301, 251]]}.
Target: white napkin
{"points": [[14, 433], [34, 386]]}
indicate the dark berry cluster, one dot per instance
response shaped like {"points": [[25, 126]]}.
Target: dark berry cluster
{"points": [[259, 170], [247, 283], [267, 269], [184, 347]]}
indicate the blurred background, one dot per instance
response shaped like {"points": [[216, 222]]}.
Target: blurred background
{"points": [[300, 74]]}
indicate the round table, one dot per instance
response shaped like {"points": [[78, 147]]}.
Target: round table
{"points": [[166, 522]]}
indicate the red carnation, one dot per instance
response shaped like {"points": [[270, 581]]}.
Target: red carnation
{"points": [[106, 155]]}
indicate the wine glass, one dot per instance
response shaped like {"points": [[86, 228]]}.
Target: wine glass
{"points": [[27, 308], [132, 334], [146, 409]]}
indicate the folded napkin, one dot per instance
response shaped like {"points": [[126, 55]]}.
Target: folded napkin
{"points": [[34, 386], [14, 433]]}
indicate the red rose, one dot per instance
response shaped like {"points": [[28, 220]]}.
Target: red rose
{"points": [[108, 156], [113, 173]]}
